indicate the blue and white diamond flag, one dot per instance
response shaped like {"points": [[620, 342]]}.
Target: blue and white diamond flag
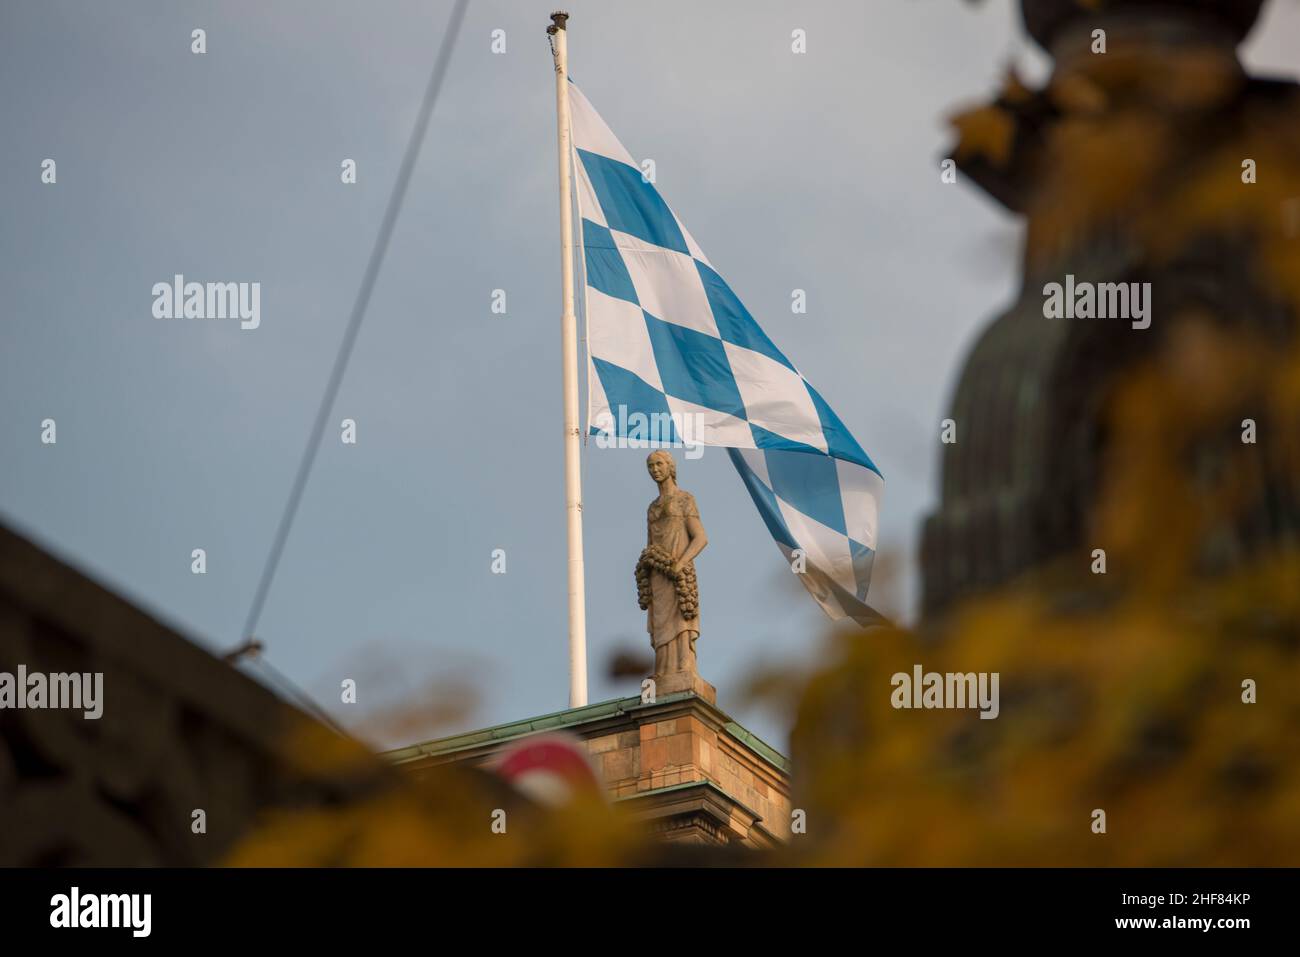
{"points": [[675, 356]]}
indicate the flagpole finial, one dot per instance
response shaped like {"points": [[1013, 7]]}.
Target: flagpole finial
{"points": [[558, 20]]}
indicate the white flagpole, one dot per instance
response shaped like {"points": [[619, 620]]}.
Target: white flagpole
{"points": [[569, 346]]}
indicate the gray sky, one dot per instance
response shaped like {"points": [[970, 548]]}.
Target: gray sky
{"points": [[816, 171]]}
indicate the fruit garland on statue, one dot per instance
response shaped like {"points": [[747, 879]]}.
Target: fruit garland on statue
{"points": [[688, 592]]}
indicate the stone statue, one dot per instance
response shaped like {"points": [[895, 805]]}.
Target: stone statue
{"points": [[665, 578]]}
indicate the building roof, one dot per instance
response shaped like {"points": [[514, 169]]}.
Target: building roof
{"points": [[572, 719]]}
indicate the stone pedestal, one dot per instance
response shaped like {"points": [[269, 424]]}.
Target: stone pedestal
{"points": [[685, 681]]}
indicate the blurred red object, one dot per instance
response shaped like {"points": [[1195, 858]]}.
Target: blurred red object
{"points": [[551, 768]]}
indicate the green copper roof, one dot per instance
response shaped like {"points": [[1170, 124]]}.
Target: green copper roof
{"points": [[571, 719], [758, 746]]}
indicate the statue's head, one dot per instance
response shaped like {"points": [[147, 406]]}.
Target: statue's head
{"points": [[660, 464]]}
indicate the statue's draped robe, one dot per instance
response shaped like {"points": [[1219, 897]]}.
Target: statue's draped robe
{"points": [[666, 523]]}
